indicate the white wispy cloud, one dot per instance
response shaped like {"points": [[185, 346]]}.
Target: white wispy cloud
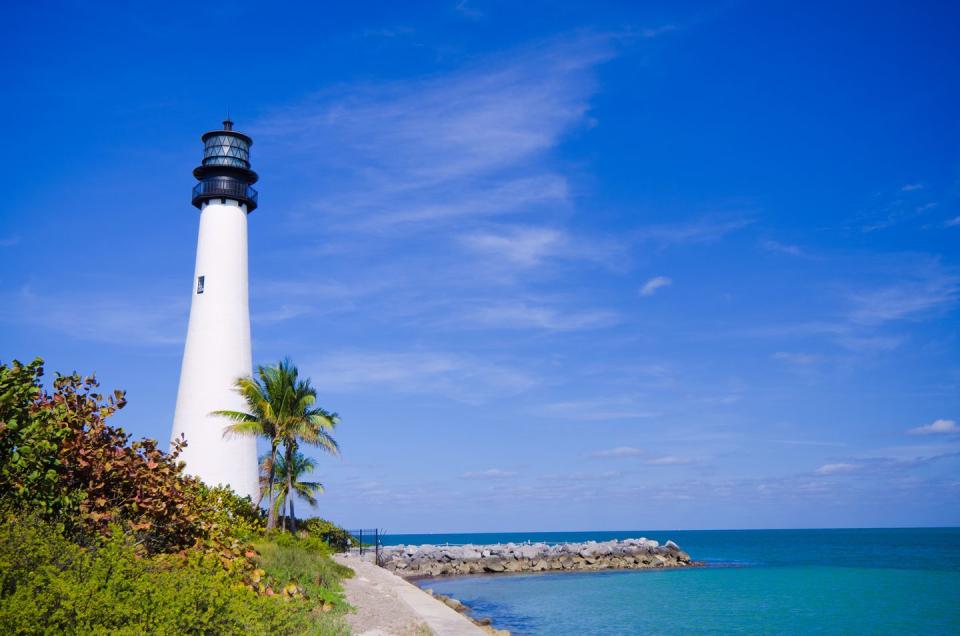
{"points": [[490, 473], [529, 314], [669, 460], [464, 8], [459, 377], [838, 468], [468, 143], [706, 229], [430, 165], [936, 290], [910, 187], [781, 248], [954, 222], [798, 359], [937, 427], [274, 301], [134, 320], [869, 344], [523, 246], [651, 286], [618, 408], [619, 451]]}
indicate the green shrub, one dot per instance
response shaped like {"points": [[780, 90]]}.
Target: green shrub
{"points": [[304, 562], [50, 585], [335, 536]]}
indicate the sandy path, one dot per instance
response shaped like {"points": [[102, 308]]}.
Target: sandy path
{"points": [[389, 606]]}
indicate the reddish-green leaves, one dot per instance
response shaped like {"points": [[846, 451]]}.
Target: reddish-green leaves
{"points": [[60, 458]]}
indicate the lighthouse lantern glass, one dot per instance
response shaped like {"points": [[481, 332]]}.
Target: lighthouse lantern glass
{"points": [[226, 150]]}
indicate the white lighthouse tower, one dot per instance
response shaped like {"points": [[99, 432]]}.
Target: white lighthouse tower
{"points": [[217, 351]]}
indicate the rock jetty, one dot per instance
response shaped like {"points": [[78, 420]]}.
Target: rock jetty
{"points": [[412, 561]]}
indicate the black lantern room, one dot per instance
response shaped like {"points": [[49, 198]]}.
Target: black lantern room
{"points": [[225, 172]]}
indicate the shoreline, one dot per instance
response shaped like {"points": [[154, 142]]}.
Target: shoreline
{"points": [[417, 580]]}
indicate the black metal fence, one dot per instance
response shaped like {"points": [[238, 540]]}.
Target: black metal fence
{"points": [[369, 541]]}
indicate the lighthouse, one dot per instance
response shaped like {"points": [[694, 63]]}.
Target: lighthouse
{"points": [[217, 350]]}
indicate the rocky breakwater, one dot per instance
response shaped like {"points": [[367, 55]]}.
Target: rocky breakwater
{"points": [[430, 560]]}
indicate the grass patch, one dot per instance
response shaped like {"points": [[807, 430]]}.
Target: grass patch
{"points": [[303, 567]]}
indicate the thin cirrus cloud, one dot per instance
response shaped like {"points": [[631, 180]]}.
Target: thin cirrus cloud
{"points": [[796, 359], [523, 246], [461, 158], [469, 143], [134, 320], [781, 248], [529, 314], [622, 452], [657, 282], [670, 460], [923, 295], [490, 473], [937, 427], [619, 451], [706, 229], [457, 377], [528, 247], [595, 410], [837, 469]]}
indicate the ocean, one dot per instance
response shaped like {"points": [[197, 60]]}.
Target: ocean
{"points": [[844, 581]]}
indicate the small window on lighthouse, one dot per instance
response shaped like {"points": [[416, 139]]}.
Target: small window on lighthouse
{"points": [[200, 284]]}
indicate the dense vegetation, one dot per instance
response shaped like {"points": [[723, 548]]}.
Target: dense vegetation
{"points": [[101, 534]]}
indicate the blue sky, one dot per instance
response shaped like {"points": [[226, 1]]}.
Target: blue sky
{"points": [[558, 267]]}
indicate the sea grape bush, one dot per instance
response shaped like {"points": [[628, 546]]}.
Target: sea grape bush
{"points": [[60, 459]]}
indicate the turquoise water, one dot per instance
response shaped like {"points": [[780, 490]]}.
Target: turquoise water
{"points": [[903, 581]]}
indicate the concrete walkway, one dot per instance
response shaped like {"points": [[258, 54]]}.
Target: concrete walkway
{"points": [[389, 606]]}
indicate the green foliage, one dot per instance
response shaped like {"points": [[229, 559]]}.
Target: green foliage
{"points": [[227, 514], [49, 584], [291, 471], [282, 408], [30, 438], [333, 535], [305, 564]]}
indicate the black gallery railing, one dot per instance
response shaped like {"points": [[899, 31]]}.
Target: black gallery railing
{"points": [[226, 188]]}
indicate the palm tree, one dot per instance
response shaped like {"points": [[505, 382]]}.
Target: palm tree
{"points": [[268, 398], [281, 408], [290, 480], [305, 423]]}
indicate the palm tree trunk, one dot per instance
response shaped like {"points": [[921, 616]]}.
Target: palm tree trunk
{"points": [[290, 450], [293, 518], [272, 513]]}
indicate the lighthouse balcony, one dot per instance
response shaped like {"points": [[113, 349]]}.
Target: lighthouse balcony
{"points": [[225, 188]]}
